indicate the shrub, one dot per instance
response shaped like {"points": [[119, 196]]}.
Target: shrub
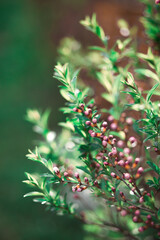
{"points": [[103, 168]]}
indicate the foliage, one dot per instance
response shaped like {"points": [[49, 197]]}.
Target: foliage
{"points": [[103, 172]]}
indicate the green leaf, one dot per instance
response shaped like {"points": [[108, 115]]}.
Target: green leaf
{"points": [[154, 167], [30, 194], [84, 169], [151, 92], [148, 73]]}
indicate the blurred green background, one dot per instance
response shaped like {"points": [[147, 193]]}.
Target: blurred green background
{"points": [[30, 32]]}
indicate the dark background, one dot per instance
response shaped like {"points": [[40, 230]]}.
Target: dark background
{"points": [[30, 31]]}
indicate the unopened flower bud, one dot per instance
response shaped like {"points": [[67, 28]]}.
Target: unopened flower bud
{"points": [[140, 170], [88, 123], [137, 160], [157, 1], [129, 121], [141, 229], [110, 118], [79, 189], [104, 124], [135, 219], [113, 126], [126, 176], [66, 174], [75, 109], [113, 175], [123, 213], [104, 143], [94, 120], [126, 151], [76, 175], [120, 143], [121, 163], [93, 134], [56, 170], [137, 213], [86, 179], [141, 200]]}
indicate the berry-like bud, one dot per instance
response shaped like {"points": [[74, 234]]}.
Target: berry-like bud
{"points": [[66, 174], [94, 120], [120, 143], [121, 163], [76, 175], [141, 229], [137, 160], [106, 163], [86, 179], [113, 189], [141, 200], [88, 123], [79, 189], [157, 1], [110, 118], [75, 109], [56, 170], [129, 121], [110, 137], [126, 151], [137, 213], [129, 159], [74, 189], [81, 105], [113, 126], [121, 154], [93, 134], [126, 176], [135, 219], [113, 175], [132, 139], [123, 213], [104, 124], [104, 143], [140, 170], [149, 217]]}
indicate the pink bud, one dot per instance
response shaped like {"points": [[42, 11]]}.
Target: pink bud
{"points": [[113, 126], [141, 200], [135, 219], [149, 217], [94, 120], [110, 137], [141, 229], [93, 134], [157, 1], [132, 139], [129, 121], [120, 143], [140, 170], [74, 189], [123, 213], [126, 176], [113, 189], [113, 175], [86, 179], [105, 138], [56, 170], [126, 151], [121, 163], [137, 160], [79, 189], [121, 154], [129, 159], [137, 213], [76, 175], [66, 174], [110, 118], [104, 143], [88, 123], [106, 163], [114, 150], [75, 109]]}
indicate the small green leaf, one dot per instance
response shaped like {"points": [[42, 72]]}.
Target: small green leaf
{"points": [[30, 194]]}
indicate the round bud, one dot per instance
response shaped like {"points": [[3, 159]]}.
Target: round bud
{"points": [[88, 123], [94, 120], [104, 143], [113, 126], [76, 175], [132, 140], [141, 229], [106, 163], [113, 175], [137, 213], [126, 151], [129, 121], [66, 174], [121, 163], [123, 213], [56, 170], [135, 219], [120, 143], [86, 179], [79, 189], [141, 200], [140, 170], [110, 118], [137, 160], [75, 109], [93, 134], [104, 124], [126, 176]]}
